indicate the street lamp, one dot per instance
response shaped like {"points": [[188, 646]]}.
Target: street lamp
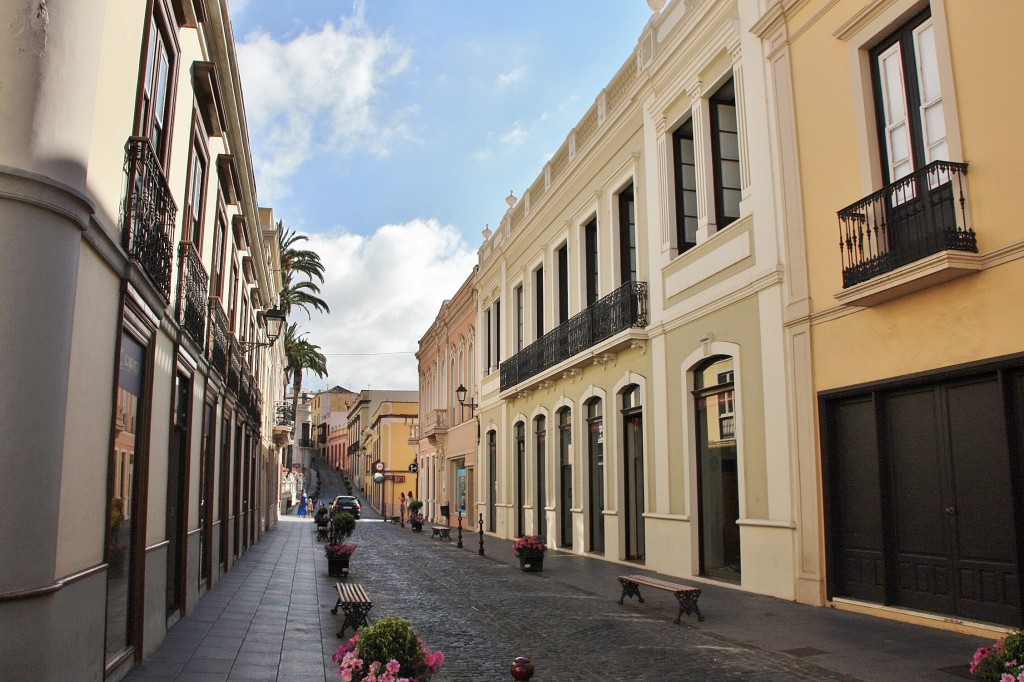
{"points": [[460, 393], [274, 320]]}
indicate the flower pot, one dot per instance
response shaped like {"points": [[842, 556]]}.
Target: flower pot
{"points": [[531, 562], [337, 568]]}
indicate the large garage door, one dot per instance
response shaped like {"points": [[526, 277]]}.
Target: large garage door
{"points": [[921, 499]]}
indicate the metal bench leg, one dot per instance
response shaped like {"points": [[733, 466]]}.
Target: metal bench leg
{"points": [[356, 616], [630, 589], [688, 604]]}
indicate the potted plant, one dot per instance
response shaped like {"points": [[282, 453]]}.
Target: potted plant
{"points": [[530, 551], [387, 651], [1003, 658], [342, 526], [415, 517], [338, 556]]}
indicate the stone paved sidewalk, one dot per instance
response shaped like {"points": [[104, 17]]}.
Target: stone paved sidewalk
{"points": [[269, 618]]}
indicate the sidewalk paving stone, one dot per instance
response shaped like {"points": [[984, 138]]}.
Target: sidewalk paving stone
{"points": [[269, 619]]}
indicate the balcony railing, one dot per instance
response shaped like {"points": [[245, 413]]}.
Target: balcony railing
{"points": [[234, 364], [623, 308], [284, 413], [920, 215], [435, 423], [147, 217], [218, 344], [193, 284]]}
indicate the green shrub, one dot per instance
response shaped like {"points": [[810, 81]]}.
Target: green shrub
{"points": [[389, 638], [343, 525]]}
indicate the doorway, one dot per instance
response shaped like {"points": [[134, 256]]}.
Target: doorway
{"points": [[633, 471], [595, 450], [921, 496], [717, 470]]}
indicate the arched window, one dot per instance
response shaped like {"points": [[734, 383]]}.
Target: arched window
{"points": [[717, 467], [633, 471], [565, 477], [595, 468], [540, 497], [520, 444]]}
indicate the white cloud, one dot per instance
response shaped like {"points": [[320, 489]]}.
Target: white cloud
{"points": [[515, 136], [502, 142], [384, 291], [317, 92], [236, 7], [513, 76]]}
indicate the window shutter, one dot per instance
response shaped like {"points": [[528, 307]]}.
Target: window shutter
{"points": [[894, 111], [933, 124]]}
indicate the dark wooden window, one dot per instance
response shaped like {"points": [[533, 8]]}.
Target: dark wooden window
{"points": [[519, 317], [908, 99], [158, 75], [563, 283], [627, 235], [233, 298], [590, 254], [488, 340], [195, 196], [497, 332], [538, 298], [217, 266], [686, 187], [725, 153]]}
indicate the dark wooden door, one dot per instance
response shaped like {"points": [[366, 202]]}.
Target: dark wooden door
{"points": [[921, 499]]}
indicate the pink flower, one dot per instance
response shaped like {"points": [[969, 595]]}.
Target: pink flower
{"points": [[393, 666], [1007, 677]]}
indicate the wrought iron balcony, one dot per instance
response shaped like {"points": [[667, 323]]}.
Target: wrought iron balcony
{"points": [[193, 285], [255, 401], [284, 413], [920, 215], [217, 347], [234, 364], [623, 308], [306, 443], [147, 215]]}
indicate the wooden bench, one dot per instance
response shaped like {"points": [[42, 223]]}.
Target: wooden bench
{"points": [[685, 595], [356, 604], [441, 533]]}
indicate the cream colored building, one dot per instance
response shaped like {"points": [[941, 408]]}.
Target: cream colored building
{"points": [[137, 412], [638, 377], [903, 116], [448, 436]]}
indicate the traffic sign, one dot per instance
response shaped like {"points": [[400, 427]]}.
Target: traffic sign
{"points": [[413, 468], [378, 466]]}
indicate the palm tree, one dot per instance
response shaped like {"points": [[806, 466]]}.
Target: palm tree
{"points": [[299, 294], [302, 355]]}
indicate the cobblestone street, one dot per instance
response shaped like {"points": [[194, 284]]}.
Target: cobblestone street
{"points": [[269, 618]]}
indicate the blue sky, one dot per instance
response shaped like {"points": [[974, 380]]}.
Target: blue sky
{"points": [[391, 131]]}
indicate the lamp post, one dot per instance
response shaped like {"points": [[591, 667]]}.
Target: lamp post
{"points": [[460, 394], [274, 321]]}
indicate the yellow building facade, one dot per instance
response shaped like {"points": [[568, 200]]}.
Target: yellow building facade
{"points": [[899, 185]]}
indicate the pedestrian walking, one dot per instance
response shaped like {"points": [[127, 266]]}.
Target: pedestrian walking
{"points": [[303, 502]]}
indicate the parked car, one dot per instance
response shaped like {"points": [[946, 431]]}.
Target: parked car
{"points": [[346, 503]]}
